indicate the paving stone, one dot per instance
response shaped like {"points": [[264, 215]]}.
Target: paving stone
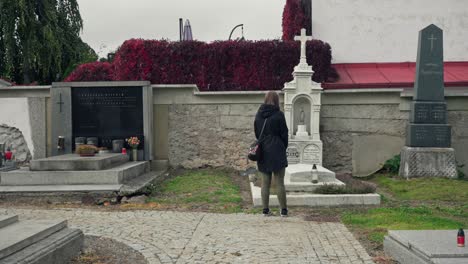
{"points": [[177, 237]]}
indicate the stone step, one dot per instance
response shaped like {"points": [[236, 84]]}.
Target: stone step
{"points": [[60, 188], [22, 234], [6, 220], [159, 165], [58, 248], [112, 176], [73, 162]]}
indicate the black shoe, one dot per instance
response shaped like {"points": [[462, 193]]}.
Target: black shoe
{"points": [[284, 212], [266, 212]]}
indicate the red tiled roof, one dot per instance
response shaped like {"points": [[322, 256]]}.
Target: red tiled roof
{"points": [[392, 75]]}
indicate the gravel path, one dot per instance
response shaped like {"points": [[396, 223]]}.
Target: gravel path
{"points": [[181, 237]]}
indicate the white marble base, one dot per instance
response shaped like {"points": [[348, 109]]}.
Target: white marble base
{"points": [[316, 200], [302, 131], [302, 173]]}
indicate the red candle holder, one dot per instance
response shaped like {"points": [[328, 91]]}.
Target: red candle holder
{"points": [[124, 151], [8, 155]]}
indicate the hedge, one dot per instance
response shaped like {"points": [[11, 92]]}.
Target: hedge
{"points": [[222, 65], [294, 19]]}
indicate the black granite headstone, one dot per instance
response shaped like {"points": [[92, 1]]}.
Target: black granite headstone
{"points": [[107, 113], [428, 119]]}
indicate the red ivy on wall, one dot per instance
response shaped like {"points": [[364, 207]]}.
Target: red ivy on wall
{"points": [[217, 66], [90, 72], [294, 19]]}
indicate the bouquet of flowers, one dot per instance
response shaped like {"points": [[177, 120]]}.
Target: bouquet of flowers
{"points": [[133, 142]]}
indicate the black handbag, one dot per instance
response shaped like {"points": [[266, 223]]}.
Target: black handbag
{"points": [[254, 149]]}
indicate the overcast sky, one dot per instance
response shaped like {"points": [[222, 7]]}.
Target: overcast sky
{"points": [[108, 23]]}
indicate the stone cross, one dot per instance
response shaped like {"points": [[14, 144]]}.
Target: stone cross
{"points": [[60, 103], [303, 38]]}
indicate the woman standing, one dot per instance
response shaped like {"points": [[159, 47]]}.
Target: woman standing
{"points": [[274, 141]]}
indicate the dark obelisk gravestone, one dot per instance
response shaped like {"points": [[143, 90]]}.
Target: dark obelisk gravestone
{"points": [[428, 121], [428, 138]]}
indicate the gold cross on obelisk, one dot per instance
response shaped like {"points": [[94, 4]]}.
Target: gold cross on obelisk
{"points": [[303, 38]]}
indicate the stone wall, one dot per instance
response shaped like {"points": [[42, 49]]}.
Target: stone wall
{"points": [[349, 129], [15, 140], [215, 135]]}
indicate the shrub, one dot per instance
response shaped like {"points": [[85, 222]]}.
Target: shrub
{"points": [[392, 165], [221, 65], [95, 71], [294, 19], [353, 186]]}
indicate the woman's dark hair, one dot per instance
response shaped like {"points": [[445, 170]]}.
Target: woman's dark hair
{"points": [[272, 98]]}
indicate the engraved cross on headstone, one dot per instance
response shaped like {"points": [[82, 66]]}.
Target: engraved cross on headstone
{"points": [[432, 41], [303, 38], [60, 103]]}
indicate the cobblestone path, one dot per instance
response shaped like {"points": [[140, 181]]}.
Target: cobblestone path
{"points": [[180, 237]]}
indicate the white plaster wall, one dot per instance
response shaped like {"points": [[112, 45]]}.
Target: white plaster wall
{"points": [[14, 112], [387, 30]]}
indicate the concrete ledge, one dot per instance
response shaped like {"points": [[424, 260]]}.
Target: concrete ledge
{"points": [[400, 253], [25, 91], [73, 162], [8, 220], [26, 233], [116, 175], [57, 248], [316, 200], [60, 188], [425, 246]]}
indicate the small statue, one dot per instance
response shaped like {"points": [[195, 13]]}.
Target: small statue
{"points": [[302, 117]]}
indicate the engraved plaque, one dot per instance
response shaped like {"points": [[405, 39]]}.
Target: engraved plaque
{"points": [[428, 112], [108, 113], [428, 135], [311, 154], [293, 155]]}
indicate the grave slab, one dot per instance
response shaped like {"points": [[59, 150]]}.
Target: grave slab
{"points": [[114, 175], [425, 246], [73, 162], [22, 234]]}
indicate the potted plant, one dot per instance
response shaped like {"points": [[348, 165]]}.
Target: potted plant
{"points": [[133, 142], [86, 150]]}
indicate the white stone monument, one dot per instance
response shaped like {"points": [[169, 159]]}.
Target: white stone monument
{"points": [[302, 101]]}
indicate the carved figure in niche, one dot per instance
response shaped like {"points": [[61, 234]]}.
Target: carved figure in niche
{"points": [[302, 117]]}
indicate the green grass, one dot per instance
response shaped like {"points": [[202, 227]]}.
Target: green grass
{"points": [[210, 189], [376, 222], [424, 189]]}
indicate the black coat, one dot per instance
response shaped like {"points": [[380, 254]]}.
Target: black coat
{"points": [[274, 140]]}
